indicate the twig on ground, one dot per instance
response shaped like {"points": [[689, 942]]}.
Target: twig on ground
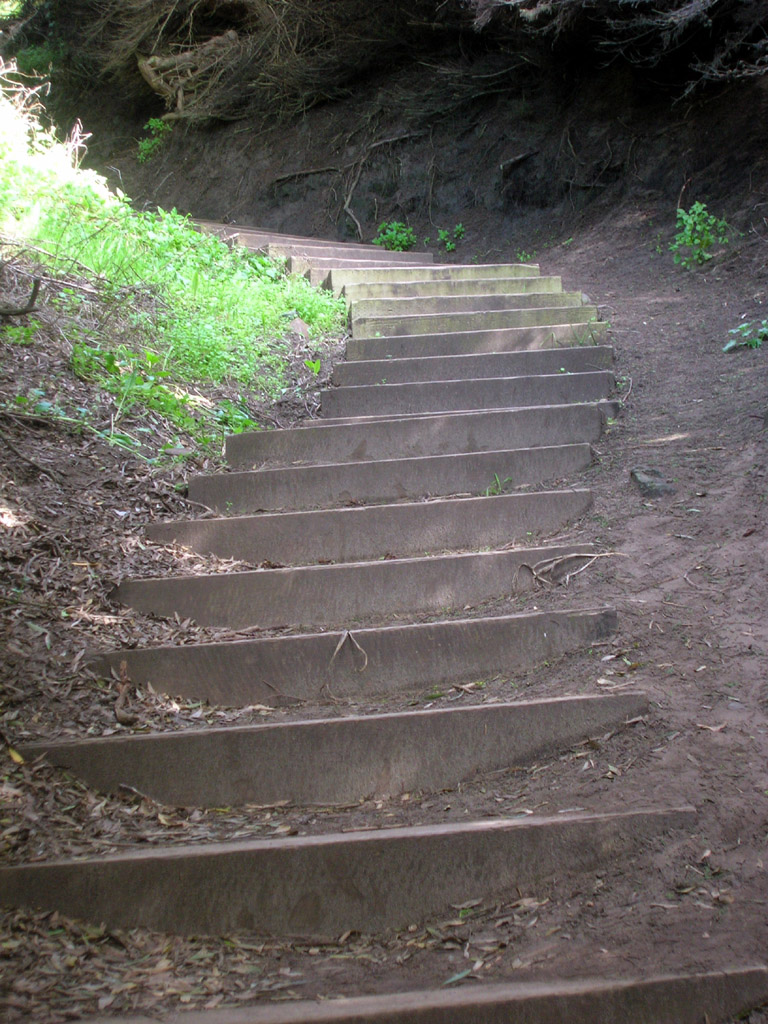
{"points": [[124, 717], [25, 246], [309, 171], [29, 307], [52, 473], [548, 565], [281, 693], [691, 583], [346, 635]]}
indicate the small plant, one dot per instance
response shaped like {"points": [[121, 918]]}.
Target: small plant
{"points": [[159, 131], [395, 236], [747, 335], [234, 417], [524, 257], [35, 61], [498, 486], [313, 365], [448, 238], [444, 238], [21, 335], [698, 230]]}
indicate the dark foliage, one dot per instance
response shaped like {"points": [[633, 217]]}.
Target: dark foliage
{"points": [[226, 60]]}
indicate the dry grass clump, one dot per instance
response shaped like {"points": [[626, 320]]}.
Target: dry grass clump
{"points": [[273, 59], [221, 60]]}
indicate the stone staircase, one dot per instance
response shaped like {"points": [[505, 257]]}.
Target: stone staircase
{"points": [[401, 555]]}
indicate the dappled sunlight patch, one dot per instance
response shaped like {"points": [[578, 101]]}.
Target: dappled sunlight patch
{"points": [[665, 439], [10, 519]]}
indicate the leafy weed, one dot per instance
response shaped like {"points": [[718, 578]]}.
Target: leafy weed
{"points": [[698, 230], [395, 236], [747, 335]]}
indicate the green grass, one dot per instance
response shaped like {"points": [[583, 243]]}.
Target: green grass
{"points": [[197, 309]]}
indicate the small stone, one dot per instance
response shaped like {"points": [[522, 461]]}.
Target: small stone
{"points": [[651, 482], [298, 326]]}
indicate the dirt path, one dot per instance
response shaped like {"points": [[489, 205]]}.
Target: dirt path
{"points": [[690, 594]]}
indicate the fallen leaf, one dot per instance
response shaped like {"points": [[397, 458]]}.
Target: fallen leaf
{"points": [[458, 977]]}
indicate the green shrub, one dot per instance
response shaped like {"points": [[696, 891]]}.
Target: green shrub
{"points": [[38, 60], [159, 131], [698, 230], [395, 236]]}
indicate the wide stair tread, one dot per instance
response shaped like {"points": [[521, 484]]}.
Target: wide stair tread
{"points": [[358, 534], [482, 393], [327, 485], [344, 759], [425, 436], [473, 366], [513, 284], [713, 996], [357, 592], [323, 885], [475, 338], [369, 663]]}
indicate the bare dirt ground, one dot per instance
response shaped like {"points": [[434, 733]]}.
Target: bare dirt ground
{"points": [[691, 591]]}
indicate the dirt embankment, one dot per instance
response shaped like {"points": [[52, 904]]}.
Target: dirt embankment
{"points": [[520, 121]]}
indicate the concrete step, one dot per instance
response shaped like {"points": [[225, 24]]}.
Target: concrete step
{"points": [[360, 534], [325, 885], [386, 480], [330, 250], [317, 269], [336, 595], [434, 323], [261, 240], [389, 660], [454, 395], [345, 276], [411, 437], [714, 996], [256, 237], [451, 286], [609, 409], [472, 367], [365, 309], [337, 760], [457, 343]]}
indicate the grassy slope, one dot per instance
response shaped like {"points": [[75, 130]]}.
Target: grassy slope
{"points": [[145, 306]]}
